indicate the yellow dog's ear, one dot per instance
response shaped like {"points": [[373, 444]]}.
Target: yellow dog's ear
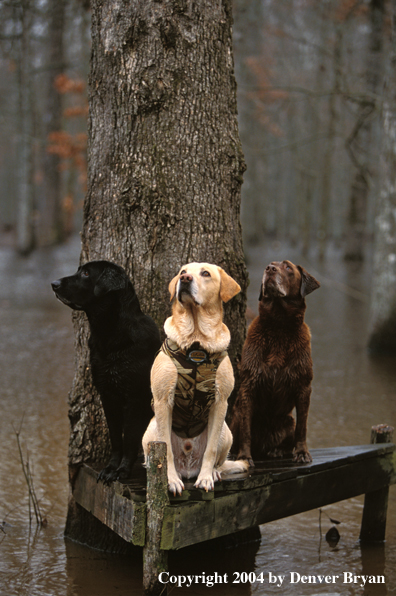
{"points": [[229, 287], [172, 287]]}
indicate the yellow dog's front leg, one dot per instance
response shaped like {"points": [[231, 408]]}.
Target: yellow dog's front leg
{"points": [[163, 384], [224, 385]]}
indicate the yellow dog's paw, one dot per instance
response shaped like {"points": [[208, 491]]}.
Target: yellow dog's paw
{"points": [[175, 485], [206, 481]]}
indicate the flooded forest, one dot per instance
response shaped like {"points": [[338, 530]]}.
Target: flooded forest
{"points": [[312, 164]]}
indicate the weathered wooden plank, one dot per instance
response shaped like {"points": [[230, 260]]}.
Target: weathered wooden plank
{"points": [[325, 458], [228, 483], [195, 522], [264, 473], [270, 471], [276, 470], [127, 518], [339, 457]]}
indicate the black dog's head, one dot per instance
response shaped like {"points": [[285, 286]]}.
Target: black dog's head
{"points": [[90, 283]]}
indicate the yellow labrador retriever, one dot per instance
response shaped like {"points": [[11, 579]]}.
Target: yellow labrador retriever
{"points": [[192, 377]]}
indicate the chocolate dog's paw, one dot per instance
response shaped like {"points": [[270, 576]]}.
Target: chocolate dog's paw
{"points": [[279, 453], [302, 457]]}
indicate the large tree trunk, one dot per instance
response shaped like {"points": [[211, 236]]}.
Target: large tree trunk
{"points": [[165, 168], [383, 304]]}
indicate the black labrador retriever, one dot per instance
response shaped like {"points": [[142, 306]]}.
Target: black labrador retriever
{"points": [[123, 344]]}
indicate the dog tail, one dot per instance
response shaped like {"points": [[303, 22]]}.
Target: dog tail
{"points": [[234, 467]]}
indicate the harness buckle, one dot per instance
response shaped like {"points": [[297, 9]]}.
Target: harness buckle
{"points": [[197, 356]]}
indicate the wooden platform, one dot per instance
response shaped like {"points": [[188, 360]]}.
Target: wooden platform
{"points": [[273, 490]]}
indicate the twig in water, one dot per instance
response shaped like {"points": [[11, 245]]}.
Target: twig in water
{"points": [[26, 469]]}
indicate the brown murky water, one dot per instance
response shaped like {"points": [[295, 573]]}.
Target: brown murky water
{"points": [[351, 393]]}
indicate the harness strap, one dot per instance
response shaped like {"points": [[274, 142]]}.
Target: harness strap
{"points": [[196, 386]]}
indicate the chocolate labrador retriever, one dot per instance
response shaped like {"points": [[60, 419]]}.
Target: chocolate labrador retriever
{"points": [[276, 370], [122, 344]]}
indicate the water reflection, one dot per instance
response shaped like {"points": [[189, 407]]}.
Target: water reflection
{"points": [[351, 392]]}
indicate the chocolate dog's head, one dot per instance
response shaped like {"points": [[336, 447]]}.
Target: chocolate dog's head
{"points": [[283, 279], [89, 284]]}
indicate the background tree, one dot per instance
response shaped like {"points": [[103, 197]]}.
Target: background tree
{"points": [[363, 142], [303, 84], [39, 41], [383, 304], [53, 220], [25, 238], [165, 169]]}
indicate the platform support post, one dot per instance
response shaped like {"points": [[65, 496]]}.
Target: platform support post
{"points": [[155, 560], [376, 502]]}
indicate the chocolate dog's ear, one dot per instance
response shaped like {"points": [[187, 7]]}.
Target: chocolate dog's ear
{"points": [[308, 282], [261, 292], [109, 281], [228, 286], [172, 287]]}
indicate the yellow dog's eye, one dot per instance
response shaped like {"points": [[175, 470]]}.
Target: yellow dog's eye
{"points": [[205, 274]]}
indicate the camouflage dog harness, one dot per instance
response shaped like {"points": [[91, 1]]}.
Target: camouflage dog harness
{"points": [[195, 388]]}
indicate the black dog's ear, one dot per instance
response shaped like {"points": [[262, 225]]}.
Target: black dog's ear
{"points": [[308, 282], [109, 281]]}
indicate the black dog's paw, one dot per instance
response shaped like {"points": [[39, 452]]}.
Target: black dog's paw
{"points": [[110, 472], [107, 475], [124, 469]]}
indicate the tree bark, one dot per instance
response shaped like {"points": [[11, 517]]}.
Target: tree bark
{"points": [[383, 303], [165, 166]]}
